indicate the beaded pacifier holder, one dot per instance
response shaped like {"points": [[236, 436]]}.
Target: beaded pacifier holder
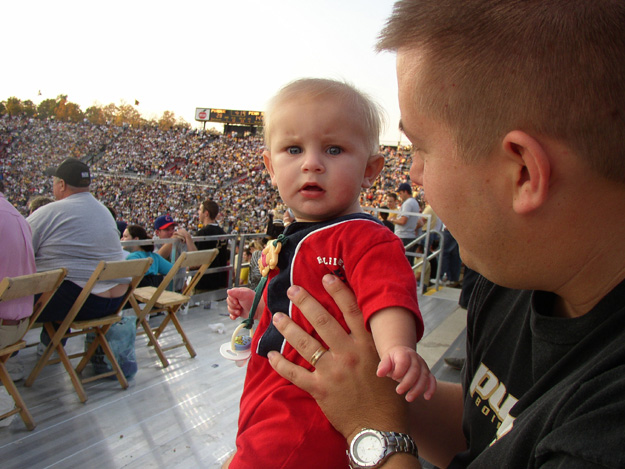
{"points": [[239, 347]]}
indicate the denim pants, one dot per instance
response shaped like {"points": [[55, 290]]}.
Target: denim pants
{"points": [[64, 298], [450, 262]]}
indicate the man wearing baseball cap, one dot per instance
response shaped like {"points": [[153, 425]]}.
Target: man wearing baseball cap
{"points": [[165, 228], [76, 232], [73, 172]]}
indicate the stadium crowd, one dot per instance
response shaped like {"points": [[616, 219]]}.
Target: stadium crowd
{"points": [[142, 173]]}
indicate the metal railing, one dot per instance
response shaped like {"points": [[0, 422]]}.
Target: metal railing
{"points": [[237, 242]]}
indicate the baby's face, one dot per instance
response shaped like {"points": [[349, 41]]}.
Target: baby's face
{"points": [[319, 158]]}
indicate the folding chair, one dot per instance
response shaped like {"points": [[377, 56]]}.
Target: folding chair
{"points": [[12, 288], [158, 299], [135, 269]]}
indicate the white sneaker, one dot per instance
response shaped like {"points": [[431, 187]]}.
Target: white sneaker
{"points": [[6, 405], [42, 348], [15, 369]]}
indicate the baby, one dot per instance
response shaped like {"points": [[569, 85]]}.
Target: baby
{"points": [[322, 148]]}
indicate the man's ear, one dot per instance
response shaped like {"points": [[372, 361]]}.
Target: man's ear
{"points": [[531, 173], [375, 165], [269, 166]]}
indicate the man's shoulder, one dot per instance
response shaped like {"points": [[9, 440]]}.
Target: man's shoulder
{"points": [[210, 230]]}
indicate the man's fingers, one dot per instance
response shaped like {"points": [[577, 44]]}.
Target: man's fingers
{"points": [[346, 301], [326, 326], [305, 345], [300, 377]]}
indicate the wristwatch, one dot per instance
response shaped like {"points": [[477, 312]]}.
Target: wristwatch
{"points": [[370, 448]]}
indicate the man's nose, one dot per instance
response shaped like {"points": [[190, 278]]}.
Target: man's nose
{"points": [[416, 171]]}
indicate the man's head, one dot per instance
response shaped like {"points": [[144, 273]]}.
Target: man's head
{"points": [[391, 200], [404, 191], [549, 68], [510, 105], [322, 147], [164, 226], [38, 202], [70, 177], [208, 211]]}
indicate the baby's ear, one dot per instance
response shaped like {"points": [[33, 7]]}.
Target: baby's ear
{"points": [[269, 166], [375, 165]]}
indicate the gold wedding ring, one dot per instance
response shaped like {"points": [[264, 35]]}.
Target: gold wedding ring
{"points": [[317, 355]]}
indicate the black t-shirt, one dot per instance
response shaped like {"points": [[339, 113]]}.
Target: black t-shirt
{"points": [[568, 376], [219, 279]]}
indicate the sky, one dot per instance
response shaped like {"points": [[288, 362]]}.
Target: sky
{"points": [[178, 56]]}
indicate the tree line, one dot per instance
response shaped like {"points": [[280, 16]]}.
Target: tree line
{"points": [[62, 109]]}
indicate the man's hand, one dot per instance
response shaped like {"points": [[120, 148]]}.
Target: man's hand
{"points": [[344, 382]]}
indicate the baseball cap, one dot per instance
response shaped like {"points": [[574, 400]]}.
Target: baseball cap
{"points": [[163, 222], [73, 171], [404, 186]]}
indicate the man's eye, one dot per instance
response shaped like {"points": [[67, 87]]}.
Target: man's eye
{"points": [[334, 151], [294, 150]]}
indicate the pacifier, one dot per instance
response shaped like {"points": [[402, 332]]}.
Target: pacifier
{"points": [[239, 347]]}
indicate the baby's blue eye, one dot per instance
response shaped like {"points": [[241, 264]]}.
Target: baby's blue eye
{"points": [[294, 150], [335, 151]]}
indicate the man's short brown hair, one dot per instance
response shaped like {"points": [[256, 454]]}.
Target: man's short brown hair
{"points": [[553, 68], [211, 207]]}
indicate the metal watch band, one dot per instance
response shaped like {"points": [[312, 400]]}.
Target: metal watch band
{"points": [[403, 442], [394, 442]]}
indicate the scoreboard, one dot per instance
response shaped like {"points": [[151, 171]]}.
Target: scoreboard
{"points": [[228, 116]]}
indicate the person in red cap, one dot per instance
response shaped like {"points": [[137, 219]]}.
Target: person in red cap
{"points": [[165, 228]]}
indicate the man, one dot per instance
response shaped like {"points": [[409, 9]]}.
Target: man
{"points": [[165, 228], [208, 212], [515, 111], [76, 232], [406, 225], [392, 202], [17, 259]]}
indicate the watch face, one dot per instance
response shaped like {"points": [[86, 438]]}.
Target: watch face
{"points": [[368, 449]]}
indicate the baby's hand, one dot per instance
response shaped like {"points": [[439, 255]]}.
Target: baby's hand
{"points": [[239, 302], [405, 366]]}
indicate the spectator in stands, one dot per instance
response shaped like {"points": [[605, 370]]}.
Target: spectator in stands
{"points": [[121, 224], [384, 216], [337, 131], [246, 257], [517, 109], [406, 225], [435, 223], [75, 232], [37, 202], [208, 213], [166, 228], [288, 217], [256, 247], [451, 263], [17, 259], [392, 202], [160, 266]]}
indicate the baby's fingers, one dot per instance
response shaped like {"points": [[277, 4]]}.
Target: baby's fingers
{"points": [[408, 381], [385, 367], [425, 385]]}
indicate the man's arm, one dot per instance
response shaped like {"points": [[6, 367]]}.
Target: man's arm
{"points": [[400, 220], [346, 388], [185, 236]]}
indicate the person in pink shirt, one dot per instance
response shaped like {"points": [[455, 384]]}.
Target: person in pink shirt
{"points": [[17, 259]]}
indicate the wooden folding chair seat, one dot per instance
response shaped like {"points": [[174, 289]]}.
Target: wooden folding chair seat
{"points": [[158, 299], [12, 288], [70, 327]]}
